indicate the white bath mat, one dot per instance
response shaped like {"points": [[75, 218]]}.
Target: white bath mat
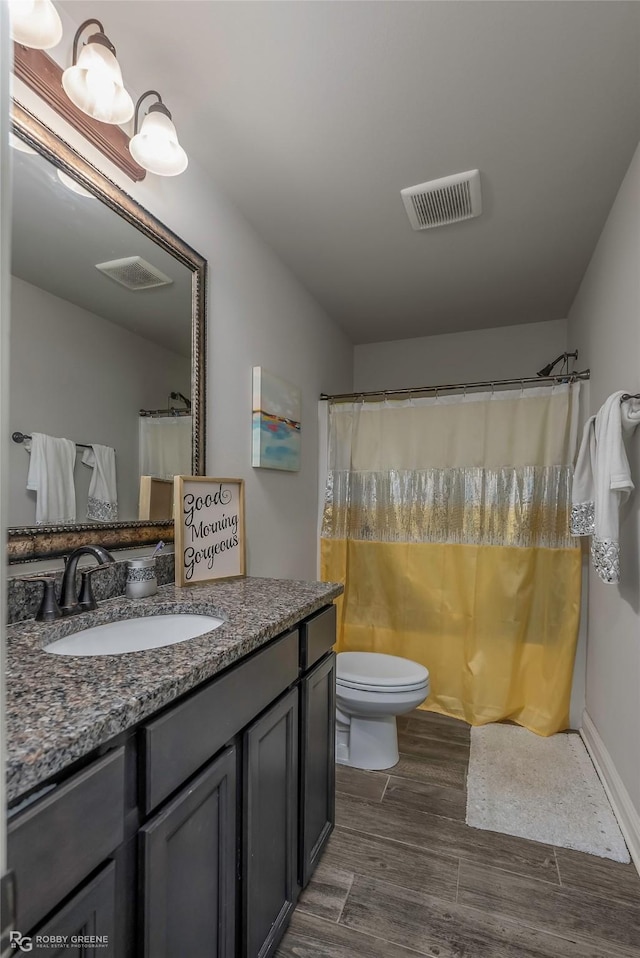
{"points": [[545, 789]]}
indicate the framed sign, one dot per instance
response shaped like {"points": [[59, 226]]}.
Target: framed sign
{"points": [[209, 536]]}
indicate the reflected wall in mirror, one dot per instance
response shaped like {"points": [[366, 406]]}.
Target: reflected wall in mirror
{"points": [[109, 358]]}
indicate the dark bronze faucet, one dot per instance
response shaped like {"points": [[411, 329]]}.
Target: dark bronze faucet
{"points": [[70, 602]]}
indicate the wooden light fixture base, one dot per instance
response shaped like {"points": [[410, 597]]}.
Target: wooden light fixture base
{"points": [[44, 77]]}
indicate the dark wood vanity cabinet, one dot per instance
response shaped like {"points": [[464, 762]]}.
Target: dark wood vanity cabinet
{"points": [[89, 916], [270, 826], [188, 868], [194, 833], [317, 767]]}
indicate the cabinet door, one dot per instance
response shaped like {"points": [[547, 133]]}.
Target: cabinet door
{"points": [[187, 854], [317, 757], [88, 916], [270, 826]]}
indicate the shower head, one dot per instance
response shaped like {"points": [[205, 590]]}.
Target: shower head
{"points": [[548, 369]]}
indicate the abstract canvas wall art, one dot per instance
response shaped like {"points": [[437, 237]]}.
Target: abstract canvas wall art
{"points": [[276, 422]]}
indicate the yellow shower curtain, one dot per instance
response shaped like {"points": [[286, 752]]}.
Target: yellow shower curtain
{"points": [[447, 520]]}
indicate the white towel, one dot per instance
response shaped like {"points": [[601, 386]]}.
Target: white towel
{"points": [[102, 504], [51, 477], [602, 482]]}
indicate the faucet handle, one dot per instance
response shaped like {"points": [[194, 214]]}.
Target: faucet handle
{"points": [[86, 598], [49, 609]]}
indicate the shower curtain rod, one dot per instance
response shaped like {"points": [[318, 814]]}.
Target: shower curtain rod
{"points": [[526, 381]]}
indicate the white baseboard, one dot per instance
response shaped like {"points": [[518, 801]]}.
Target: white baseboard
{"points": [[623, 808]]}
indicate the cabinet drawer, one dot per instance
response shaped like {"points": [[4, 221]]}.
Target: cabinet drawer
{"points": [[318, 635], [54, 844], [178, 743]]}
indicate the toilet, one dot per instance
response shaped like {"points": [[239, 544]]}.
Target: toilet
{"points": [[371, 689]]}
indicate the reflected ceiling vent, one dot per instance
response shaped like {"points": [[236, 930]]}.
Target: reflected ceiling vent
{"points": [[134, 273], [447, 200]]}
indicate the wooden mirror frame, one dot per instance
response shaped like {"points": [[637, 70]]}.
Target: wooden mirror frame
{"points": [[27, 543]]}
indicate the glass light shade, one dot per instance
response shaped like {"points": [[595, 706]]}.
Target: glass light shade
{"points": [[73, 185], [95, 85], [35, 23], [156, 146]]}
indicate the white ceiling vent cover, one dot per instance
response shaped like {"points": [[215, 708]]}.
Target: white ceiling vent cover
{"points": [[134, 273], [447, 200]]}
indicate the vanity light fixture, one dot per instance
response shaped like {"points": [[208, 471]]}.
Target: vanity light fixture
{"points": [[154, 144], [94, 82], [35, 23]]}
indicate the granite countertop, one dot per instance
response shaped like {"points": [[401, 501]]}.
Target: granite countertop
{"points": [[59, 708]]}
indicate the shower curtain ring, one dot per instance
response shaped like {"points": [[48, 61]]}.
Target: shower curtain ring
{"points": [[493, 390], [522, 389]]}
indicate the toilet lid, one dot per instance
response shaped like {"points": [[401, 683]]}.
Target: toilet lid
{"points": [[366, 670]]}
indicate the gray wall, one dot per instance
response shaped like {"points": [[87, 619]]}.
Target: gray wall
{"points": [[604, 322], [79, 376], [459, 357]]}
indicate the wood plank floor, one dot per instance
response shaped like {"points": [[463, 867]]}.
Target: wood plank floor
{"points": [[403, 875]]}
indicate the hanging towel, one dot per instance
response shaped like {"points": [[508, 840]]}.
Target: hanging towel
{"points": [[602, 482], [51, 477], [102, 505]]}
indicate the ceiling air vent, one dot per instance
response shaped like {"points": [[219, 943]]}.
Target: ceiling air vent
{"points": [[134, 273], [447, 200]]}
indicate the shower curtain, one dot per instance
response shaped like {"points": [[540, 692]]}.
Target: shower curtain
{"points": [[447, 520], [165, 446]]}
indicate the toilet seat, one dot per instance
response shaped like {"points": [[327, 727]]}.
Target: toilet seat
{"points": [[381, 689], [375, 672]]}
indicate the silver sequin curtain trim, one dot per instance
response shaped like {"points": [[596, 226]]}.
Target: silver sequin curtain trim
{"points": [[527, 506]]}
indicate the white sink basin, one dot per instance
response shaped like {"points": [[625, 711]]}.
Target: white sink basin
{"points": [[135, 635]]}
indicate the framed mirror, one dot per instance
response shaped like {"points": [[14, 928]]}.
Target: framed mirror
{"points": [[107, 351]]}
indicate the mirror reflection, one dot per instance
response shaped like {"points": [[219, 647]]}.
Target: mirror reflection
{"points": [[100, 354]]}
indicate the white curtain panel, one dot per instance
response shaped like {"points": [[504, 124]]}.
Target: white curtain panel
{"points": [[165, 446]]}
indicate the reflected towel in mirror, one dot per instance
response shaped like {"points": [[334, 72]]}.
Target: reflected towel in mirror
{"points": [[102, 504], [51, 477]]}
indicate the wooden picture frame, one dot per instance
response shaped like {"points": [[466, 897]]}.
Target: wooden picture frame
{"points": [[209, 529]]}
